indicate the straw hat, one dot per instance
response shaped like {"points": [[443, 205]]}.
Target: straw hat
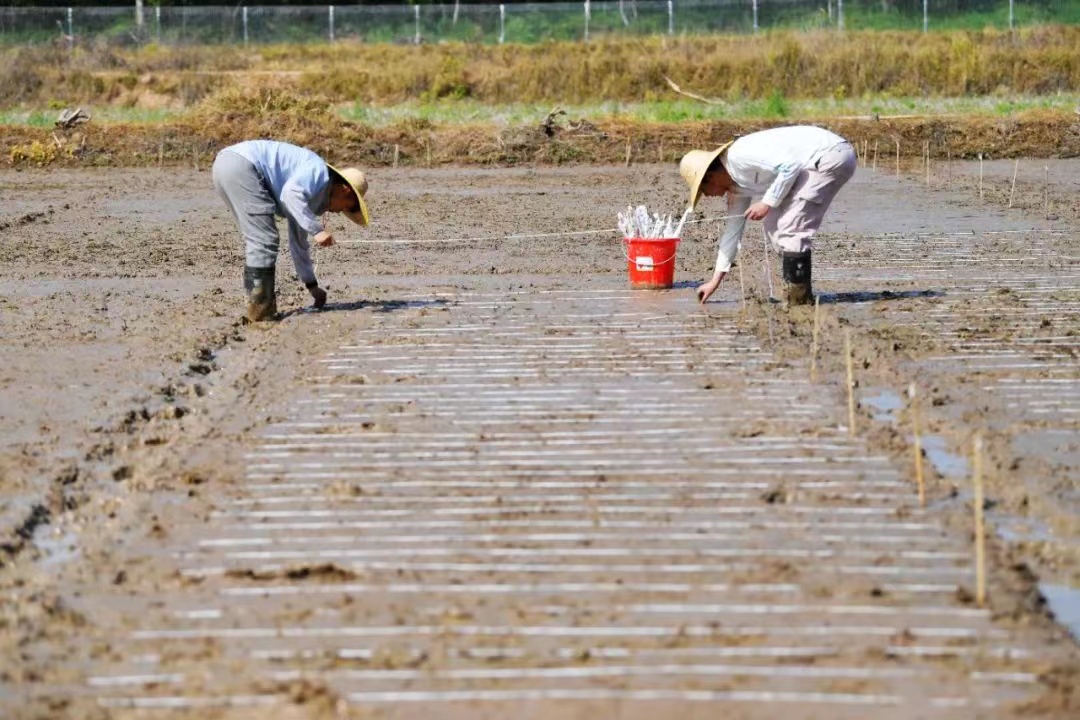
{"points": [[693, 167], [358, 184]]}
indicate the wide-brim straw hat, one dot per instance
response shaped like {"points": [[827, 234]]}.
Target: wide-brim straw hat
{"points": [[693, 167], [356, 181]]}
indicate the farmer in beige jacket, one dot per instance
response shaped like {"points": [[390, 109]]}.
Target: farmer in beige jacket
{"points": [[796, 171]]}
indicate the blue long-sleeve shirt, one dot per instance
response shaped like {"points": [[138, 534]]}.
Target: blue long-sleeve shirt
{"points": [[300, 184]]}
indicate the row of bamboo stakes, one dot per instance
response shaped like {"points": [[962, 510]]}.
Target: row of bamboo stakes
{"points": [[865, 153], [920, 480], [865, 150]]}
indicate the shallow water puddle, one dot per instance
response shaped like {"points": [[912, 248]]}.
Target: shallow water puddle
{"points": [[948, 463], [885, 404], [1064, 602]]}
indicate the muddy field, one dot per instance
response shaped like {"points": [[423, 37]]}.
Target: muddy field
{"points": [[141, 420]]}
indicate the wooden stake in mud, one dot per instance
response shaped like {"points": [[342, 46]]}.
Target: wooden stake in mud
{"points": [[397, 153], [875, 155], [195, 157], [742, 289], [927, 163], [161, 154], [660, 152], [628, 149], [897, 158], [428, 146], [1012, 188], [814, 342], [850, 383], [916, 431], [768, 265], [948, 167], [1046, 192], [980, 176], [980, 536]]}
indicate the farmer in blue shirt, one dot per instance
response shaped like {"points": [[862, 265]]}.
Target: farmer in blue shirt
{"points": [[260, 178]]}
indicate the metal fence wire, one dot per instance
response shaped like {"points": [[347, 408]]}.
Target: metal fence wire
{"points": [[506, 23]]}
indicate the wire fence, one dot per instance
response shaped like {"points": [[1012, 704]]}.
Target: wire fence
{"points": [[506, 23]]}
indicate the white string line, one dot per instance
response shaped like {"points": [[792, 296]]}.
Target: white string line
{"points": [[570, 233], [512, 236]]}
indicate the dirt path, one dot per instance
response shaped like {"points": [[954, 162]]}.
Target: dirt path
{"points": [[133, 402]]}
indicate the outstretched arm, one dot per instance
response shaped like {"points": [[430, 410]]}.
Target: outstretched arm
{"points": [[728, 248]]}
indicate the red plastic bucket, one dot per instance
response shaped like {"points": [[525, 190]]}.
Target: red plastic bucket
{"points": [[651, 262]]}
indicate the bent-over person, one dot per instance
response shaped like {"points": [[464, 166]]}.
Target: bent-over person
{"points": [[259, 179], [796, 171]]}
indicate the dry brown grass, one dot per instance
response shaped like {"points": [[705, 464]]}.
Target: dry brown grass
{"points": [[419, 144], [798, 65]]}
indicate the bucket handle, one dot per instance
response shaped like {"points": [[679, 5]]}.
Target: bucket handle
{"points": [[626, 252]]}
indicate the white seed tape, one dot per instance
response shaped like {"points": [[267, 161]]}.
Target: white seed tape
{"points": [[551, 695], [545, 539], [557, 495], [557, 631]]}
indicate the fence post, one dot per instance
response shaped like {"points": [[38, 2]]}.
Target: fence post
{"points": [[157, 23], [586, 20], [417, 14], [840, 14], [670, 17], [502, 23], [755, 15], [1011, 16], [71, 28], [331, 14], [245, 15], [925, 15]]}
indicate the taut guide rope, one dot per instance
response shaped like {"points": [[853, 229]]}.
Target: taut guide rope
{"points": [[604, 231], [512, 236]]}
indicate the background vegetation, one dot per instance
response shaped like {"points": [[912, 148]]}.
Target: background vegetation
{"points": [[1036, 61], [964, 93]]}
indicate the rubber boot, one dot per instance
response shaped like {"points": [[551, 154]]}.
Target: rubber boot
{"points": [[797, 278], [262, 301]]}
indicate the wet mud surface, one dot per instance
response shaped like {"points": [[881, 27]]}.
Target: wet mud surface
{"points": [[492, 476]]}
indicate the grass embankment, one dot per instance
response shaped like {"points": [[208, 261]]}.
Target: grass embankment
{"points": [[993, 92]]}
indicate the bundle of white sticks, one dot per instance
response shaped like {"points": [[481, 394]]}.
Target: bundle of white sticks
{"points": [[639, 223]]}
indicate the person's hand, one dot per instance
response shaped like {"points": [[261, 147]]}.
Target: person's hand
{"points": [[319, 295], [324, 239], [705, 290], [757, 211]]}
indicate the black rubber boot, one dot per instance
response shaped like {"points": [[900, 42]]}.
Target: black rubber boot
{"points": [[262, 301], [797, 289]]}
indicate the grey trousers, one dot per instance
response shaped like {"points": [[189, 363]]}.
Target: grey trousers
{"points": [[246, 196], [793, 224]]}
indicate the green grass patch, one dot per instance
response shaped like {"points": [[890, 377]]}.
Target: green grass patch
{"points": [[673, 111], [106, 115], [468, 112]]}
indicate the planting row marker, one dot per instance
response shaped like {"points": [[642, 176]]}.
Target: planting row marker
{"points": [[742, 289], [1012, 188], [814, 344], [927, 151], [1046, 190], [916, 431], [980, 539], [980, 176], [850, 383]]}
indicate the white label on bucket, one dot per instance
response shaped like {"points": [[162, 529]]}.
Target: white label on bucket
{"points": [[644, 262]]}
